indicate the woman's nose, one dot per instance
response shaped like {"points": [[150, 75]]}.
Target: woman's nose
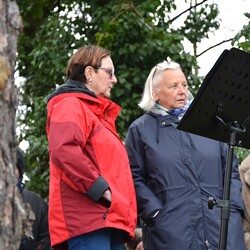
{"points": [[114, 79], [182, 89]]}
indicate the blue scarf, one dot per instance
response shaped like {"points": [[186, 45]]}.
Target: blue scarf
{"points": [[20, 185], [178, 112]]}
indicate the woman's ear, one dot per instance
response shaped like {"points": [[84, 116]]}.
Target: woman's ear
{"points": [[155, 95], [88, 74]]}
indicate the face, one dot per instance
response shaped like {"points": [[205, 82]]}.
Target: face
{"points": [[101, 81], [172, 89], [17, 174]]}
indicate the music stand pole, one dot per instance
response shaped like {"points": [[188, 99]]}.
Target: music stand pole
{"points": [[224, 204], [225, 210]]}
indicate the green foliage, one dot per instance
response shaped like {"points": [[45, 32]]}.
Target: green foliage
{"points": [[200, 22], [140, 34], [242, 153], [242, 39]]}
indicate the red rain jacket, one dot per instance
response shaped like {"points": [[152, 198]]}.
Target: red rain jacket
{"points": [[86, 158]]}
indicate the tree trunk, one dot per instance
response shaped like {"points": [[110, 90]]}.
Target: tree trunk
{"points": [[13, 215]]}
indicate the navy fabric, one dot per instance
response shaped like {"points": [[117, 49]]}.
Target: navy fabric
{"points": [[176, 172]]}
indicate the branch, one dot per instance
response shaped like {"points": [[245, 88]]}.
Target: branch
{"points": [[191, 7], [138, 14], [132, 6], [225, 41]]}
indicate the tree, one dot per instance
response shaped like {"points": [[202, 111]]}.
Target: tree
{"points": [[139, 34], [242, 41], [13, 214]]}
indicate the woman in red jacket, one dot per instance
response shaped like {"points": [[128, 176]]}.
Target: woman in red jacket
{"points": [[92, 202]]}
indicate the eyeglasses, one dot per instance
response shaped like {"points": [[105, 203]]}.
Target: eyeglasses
{"points": [[161, 67], [110, 71]]}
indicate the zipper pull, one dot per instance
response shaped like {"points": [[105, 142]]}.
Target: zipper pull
{"points": [[207, 244], [105, 215]]}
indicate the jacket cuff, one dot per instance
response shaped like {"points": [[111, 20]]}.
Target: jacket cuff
{"points": [[97, 189]]}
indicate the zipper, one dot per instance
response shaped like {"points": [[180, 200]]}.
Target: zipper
{"points": [[207, 245], [105, 214]]}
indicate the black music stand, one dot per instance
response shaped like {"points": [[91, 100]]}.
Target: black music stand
{"points": [[221, 111]]}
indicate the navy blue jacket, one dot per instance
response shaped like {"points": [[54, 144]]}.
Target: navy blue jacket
{"points": [[40, 239], [176, 172]]}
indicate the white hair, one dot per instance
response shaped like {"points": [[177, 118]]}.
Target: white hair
{"points": [[147, 101]]}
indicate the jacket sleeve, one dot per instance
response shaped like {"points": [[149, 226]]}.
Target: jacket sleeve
{"points": [[147, 202], [245, 178], [43, 238], [40, 232], [70, 148]]}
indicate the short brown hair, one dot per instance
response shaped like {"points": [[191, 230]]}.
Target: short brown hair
{"points": [[89, 55]]}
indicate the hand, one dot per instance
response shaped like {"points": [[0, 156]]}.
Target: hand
{"points": [[139, 246], [107, 195]]}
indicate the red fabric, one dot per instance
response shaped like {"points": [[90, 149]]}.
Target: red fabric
{"points": [[83, 145]]}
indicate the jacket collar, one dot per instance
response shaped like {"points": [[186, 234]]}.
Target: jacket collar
{"points": [[165, 120], [71, 86]]}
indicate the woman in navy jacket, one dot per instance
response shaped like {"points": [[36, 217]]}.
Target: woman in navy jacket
{"points": [[175, 172]]}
